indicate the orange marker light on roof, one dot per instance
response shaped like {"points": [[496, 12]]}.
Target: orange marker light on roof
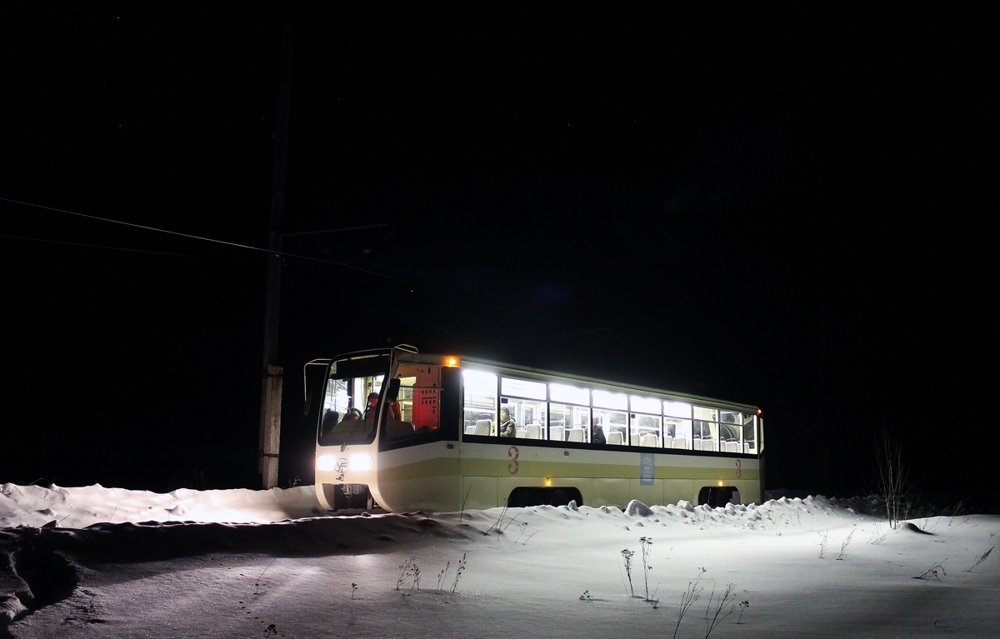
{"points": [[759, 411], [451, 360]]}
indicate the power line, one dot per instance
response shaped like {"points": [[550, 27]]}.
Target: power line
{"points": [[110, 248], [245, 246], [310, 259], [130, 224]]}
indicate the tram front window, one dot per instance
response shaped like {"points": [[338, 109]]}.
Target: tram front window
{"points": [[345, 415], [345, 418]]}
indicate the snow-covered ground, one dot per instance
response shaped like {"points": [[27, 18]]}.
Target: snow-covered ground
{"points": [[98, 562]]}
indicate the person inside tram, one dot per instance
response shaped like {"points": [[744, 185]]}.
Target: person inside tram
{"points": [[353, 414], [730, 430], [329, 421], [597, 432], [508, 427], [394, 412]]}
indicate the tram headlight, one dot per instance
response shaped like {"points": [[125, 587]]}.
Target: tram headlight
{"points": [[360, 461], [326, 462]]}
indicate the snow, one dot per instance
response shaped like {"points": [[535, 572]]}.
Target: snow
{"points": [[105, 562]]}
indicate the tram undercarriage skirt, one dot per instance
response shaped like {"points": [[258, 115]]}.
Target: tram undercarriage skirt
{"points": [[348, 496]]}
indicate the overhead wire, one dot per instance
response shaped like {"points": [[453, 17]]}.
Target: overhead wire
{"points": [[110, 248], [572, 329], [132, 225]]}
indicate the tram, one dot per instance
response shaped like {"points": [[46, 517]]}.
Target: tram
{"points": [[408, 431]]}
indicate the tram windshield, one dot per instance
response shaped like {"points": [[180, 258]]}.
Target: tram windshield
{"points": [[348, 415]]}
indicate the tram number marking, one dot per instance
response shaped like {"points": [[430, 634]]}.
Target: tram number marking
{"points": [[513, 453], [739, 469]]}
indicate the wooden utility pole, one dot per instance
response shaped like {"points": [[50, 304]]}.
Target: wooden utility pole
{"points": [[270, 403]]}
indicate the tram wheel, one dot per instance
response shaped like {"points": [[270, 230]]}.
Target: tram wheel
{"points": [[525, 496], [718, 497]]}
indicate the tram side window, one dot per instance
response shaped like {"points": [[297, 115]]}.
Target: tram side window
{"points": [[677, 424], [647, 429], [611, 412], [569, 412], [568, 423], [529, 416], [480, 404], [677, 433], [614, 423], [730, 431], [525, 402], [749, 433], [706, 429]]}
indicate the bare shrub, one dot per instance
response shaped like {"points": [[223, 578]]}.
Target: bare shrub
{"points": [[713, 612], [409, 570], [934, 572], [458, 572], [844, 544], [647, 548], [689, 596], [744, 605], [892, 478], [627, 556], [981, 558]]}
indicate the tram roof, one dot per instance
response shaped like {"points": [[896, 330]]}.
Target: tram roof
{"points": [[415, 356]]}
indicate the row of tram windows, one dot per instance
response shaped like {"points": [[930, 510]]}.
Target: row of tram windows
{"points": [[500, 406]]}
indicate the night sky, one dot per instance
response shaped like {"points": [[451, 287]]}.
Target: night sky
{"points": [[784, 208]]}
